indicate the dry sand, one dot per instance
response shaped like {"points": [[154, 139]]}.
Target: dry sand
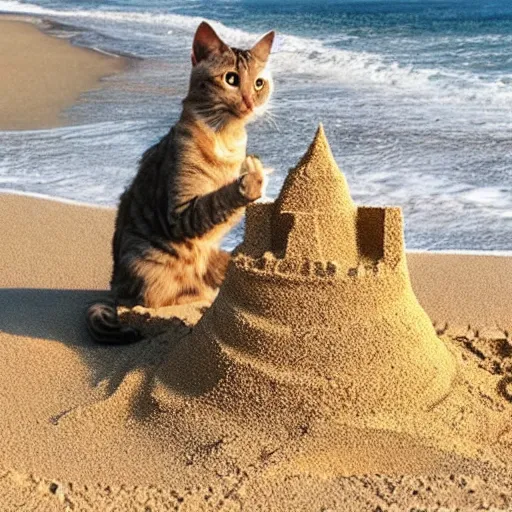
{"points": [[181, 422], [43, 75]]}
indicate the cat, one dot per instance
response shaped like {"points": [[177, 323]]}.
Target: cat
{"points": [[190, 190]]}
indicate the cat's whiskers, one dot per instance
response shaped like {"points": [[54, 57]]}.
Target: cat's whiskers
{"points": [[264, 112], [269, 117]]}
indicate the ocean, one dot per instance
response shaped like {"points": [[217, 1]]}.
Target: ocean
{"points": [[415, 97]]}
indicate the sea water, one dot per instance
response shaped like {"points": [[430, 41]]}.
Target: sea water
{"points": [[415, 97]]}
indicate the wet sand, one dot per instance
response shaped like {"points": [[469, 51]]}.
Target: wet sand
{"points": [[43, 75]]}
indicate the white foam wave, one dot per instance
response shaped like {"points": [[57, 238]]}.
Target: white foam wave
{"points": [[311, 57], [489, 197], [170, 20]]}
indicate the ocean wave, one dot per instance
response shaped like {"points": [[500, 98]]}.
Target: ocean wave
{"points": [[313, 58], [497, 198]]}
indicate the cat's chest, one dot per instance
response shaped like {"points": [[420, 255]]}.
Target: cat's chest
{"points": [[229, 155]]}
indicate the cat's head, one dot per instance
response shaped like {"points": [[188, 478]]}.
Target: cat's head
{"points": [[228, 83]]}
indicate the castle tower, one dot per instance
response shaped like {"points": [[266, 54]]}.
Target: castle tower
{"points": [[317, 302], [315, 205]]}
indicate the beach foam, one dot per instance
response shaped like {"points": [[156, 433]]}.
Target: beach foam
{"points": [[311, 57]]}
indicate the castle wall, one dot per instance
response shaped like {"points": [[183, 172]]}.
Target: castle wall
{"points": [[335, 330], [329, 236], [261, 289], [366, 235]]}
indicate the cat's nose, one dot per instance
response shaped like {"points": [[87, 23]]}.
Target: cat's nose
{"points": [[248, 102]]}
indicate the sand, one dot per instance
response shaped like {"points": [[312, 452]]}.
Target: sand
{"points": [[223, 419], [44, 75]]}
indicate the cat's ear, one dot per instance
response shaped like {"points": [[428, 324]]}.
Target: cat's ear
{"points": [[206, 42], [261, 50]]}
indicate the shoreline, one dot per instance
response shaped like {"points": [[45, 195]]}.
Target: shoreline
{"points": [[64, 200], [46, 74]]}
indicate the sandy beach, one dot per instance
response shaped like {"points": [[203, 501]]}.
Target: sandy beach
{"points": [[212, 418], [81, 429], [43, 75]]}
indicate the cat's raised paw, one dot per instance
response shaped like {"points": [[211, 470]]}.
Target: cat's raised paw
{"points": [[252, 178]]}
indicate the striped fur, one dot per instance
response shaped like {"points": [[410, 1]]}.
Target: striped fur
{"points": [[190, 190]]}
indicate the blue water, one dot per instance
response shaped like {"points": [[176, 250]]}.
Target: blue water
{"points": [[416, 98]]}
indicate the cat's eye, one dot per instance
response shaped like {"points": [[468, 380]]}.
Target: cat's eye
{"points": [[259, 83], [232, 79]]}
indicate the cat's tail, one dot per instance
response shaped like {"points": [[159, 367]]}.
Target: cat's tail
{"points": [[104, 325]]}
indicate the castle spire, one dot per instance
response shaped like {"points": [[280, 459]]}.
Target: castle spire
{"points": [[315, 204], [316, 183]]}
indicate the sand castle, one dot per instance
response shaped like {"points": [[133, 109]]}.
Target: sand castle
{"points": [[317, 307]]}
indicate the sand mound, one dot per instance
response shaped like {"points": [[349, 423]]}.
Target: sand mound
{"points": [[317, 311], [317, 336]]}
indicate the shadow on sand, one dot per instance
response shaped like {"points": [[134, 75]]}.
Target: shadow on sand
{"points": [[59, 316]]}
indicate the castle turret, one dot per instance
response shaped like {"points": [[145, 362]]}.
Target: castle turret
{"points": [[316, 184], [314, 205]]}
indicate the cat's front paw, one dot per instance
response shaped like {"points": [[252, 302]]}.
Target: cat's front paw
{"points": [[252, 179]]}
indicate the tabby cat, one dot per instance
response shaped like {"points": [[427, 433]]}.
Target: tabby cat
{"points": [[190, 190]]}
